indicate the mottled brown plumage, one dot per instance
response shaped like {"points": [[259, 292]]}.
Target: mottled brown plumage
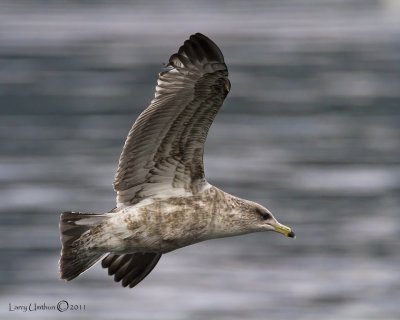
{"points": [[163, 199]]}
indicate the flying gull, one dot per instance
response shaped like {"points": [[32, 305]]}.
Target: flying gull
{"points": [[164, 201]]}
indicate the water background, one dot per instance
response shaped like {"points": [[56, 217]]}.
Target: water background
{"points": [[310, 129]]}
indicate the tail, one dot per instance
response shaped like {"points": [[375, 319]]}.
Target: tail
{"points": [[76, 256]]}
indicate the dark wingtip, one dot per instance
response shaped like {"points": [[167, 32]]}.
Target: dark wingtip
{"points": [[130, 269], [213, 52]]}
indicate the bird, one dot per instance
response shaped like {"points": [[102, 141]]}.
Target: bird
{"points": [[164, 201]]}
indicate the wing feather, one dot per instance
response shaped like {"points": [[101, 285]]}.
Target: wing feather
{"points": [[130, 268], [164, 149]]}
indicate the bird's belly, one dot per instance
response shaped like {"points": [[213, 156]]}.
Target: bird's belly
{"points": [[181, 228], [163, 227]]}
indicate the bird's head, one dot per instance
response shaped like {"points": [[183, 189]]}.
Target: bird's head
{"points": [[263, 220], [248, 216]]}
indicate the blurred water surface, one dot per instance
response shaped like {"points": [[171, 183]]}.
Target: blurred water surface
{"points": [[311, 129]]}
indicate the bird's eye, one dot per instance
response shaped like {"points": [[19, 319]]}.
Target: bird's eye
{"points": [[264, 215]]}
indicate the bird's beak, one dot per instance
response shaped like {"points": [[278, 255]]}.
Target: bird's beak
{"points": [[286, 231]]}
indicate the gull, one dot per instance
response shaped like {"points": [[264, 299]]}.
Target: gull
{"points": [[164, 201]]}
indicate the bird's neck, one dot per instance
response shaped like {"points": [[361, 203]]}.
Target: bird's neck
{"points": [[226, 217]]}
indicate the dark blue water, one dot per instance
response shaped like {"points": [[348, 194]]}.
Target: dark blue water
{"points": [[310, 129]]}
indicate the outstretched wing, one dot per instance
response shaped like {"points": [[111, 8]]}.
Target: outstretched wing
{"points": [[164, 149]]}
